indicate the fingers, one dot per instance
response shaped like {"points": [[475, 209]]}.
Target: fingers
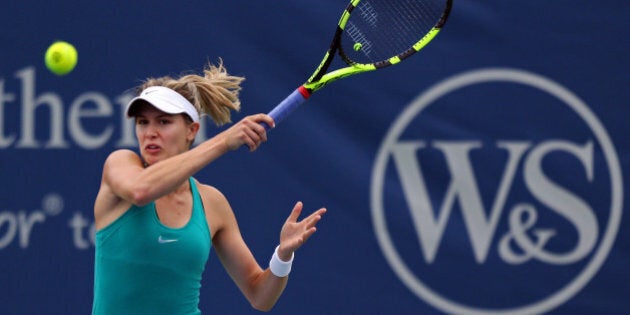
{"points": [[310, 222], [306, 225], [295, 213], [249, 132], [262, 118], [294, 233], [256, 132], [314, 218]]}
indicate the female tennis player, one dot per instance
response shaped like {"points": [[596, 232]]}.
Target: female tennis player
{"points": [[156, 223]]}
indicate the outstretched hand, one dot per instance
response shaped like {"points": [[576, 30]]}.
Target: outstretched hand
{"points": [[294, 234]]}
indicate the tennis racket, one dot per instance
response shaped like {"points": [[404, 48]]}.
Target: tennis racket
{"points": [[371, 35]]}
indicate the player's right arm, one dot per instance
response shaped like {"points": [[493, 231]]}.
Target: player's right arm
{"points": [[116, 189]]}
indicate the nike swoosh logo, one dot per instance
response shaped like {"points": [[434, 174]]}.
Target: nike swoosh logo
{"points": [[162, 240]]}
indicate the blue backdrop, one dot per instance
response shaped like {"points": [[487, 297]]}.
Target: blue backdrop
{"points": [[483, 176]]}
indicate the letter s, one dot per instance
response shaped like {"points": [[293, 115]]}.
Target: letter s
{"points": [[561, 200]]}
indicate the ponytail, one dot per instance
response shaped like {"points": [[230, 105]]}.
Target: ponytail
{"points": [[215, 94]]}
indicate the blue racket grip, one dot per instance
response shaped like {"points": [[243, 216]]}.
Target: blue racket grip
{"points": [[290, 103]]}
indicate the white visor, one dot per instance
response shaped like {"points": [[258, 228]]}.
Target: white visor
{"points": [[166, 100]]}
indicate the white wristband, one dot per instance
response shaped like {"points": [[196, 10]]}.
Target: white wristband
{"points": [[278, 267]]}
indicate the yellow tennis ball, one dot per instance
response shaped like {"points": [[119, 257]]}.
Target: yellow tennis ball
{"points": [[61, 57], [357, 46]]}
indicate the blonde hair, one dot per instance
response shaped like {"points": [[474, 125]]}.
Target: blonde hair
{"points": [[214, 94]]}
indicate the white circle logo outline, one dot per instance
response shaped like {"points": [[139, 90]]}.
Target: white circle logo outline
{"points": [[471, 78]]}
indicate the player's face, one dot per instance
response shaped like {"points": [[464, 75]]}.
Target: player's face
{"points": [[161, 135]]}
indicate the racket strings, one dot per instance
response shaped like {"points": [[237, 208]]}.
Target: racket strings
{"points": [[380, 29]]}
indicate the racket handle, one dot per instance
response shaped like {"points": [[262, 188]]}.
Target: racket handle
{"points": [[291, 102]]}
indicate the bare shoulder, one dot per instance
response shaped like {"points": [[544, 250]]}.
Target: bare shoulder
{"points": [[217, 208], [109, 203], [214, 200], [121, 155], [121, 163], [211, 194]]}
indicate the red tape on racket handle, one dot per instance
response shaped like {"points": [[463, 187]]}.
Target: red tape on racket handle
{"points": [[291, 102]]}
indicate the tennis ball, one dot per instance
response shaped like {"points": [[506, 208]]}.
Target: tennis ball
{"points": [[357, 46], [61, 57]]}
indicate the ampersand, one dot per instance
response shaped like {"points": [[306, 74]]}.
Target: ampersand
{"points": [[519, 225]]}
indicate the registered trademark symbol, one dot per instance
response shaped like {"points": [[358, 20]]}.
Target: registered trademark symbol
{"points": [[52, 204]]}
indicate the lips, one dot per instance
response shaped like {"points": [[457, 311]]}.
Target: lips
{"points": [[152, 148]]}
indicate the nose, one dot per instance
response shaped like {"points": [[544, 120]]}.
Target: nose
{"points": [[151, 131]]}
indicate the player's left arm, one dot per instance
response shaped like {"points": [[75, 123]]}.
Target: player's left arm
{"points": [[260, 286]]}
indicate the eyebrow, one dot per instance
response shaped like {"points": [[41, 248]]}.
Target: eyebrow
{"points": [[158, 116]]}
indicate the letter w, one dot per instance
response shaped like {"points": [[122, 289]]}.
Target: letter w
{"points": [[462, 187]]}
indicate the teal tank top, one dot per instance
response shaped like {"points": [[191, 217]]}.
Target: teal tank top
{"points": [[144, 267]]}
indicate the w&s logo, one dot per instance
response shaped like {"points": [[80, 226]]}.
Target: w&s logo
{"points": [[497, 191]]}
